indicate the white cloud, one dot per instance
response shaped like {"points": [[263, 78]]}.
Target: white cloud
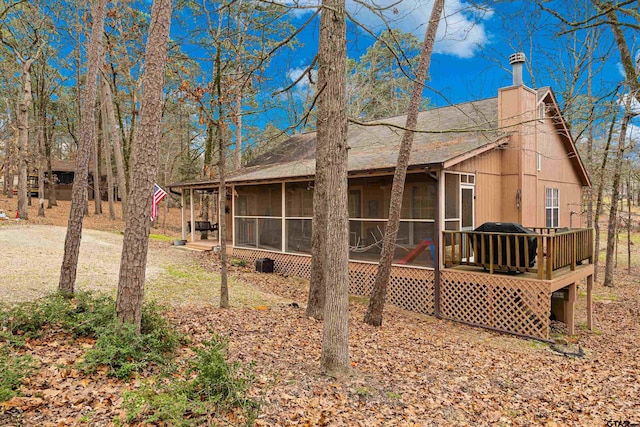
{"points": [[461, 32], [294, 73]]}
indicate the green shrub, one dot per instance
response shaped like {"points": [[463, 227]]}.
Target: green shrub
{"points": [[82, 314], [125, 351], [213, 388], [14, 369]]}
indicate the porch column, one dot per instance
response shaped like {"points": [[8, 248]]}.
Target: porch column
{"points": [[193, 216], [571, 305], [589, 302], [438, 240], [183, 215], [218, 218], [284, 225], [233, 215]]}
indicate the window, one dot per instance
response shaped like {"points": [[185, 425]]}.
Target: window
{"points": [[552, 207], [542, 111], [539, 161]]}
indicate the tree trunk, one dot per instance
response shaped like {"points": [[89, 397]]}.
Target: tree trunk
{"points": [[332, 131], [87, 130], [23, 139], [600, 197], [615, 192], [222, 166], [106, 144], [145, 164], [123, 188], [373, 315], [238, 114], [629, 219], [97, 198], [41, 167], [53, 201]]}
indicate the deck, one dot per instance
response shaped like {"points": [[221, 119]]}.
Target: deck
{"points": [[512, 281]]}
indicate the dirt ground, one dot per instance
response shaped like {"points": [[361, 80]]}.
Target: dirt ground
{"points": [[413, 371]]}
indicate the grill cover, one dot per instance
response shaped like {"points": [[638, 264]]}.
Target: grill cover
{"points": [[512, 228]]}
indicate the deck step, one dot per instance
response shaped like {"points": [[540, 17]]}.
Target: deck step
{"points": [[200, 245]]}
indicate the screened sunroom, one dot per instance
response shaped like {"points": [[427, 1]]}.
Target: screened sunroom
{"points": [[278, 216]]}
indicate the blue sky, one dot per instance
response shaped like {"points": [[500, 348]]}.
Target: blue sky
{"points": [[472, 49]]}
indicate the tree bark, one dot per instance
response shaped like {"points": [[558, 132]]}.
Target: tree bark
{"points": [[145, 164], [373, 316], [222, 166], [87, 130], [332, 131], [106, 144], [23, 138], [97, 199], [615, 192], [53, 201], [238, 120], [41, 164], [123, 188]]}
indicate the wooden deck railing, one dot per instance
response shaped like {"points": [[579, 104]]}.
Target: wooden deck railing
{"points": [[545, 251]]}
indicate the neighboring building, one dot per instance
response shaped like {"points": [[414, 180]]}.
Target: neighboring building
{"points": [[504, 159], [63, 172]]}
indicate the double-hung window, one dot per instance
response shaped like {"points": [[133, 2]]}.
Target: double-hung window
{"points": [[552, 207]]}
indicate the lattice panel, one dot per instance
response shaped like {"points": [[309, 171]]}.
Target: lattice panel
{"points": [[294, 265], [412, 289], [497, 301], [409, 288]]}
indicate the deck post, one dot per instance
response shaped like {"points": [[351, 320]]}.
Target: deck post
{"points": [[590, 302], [571, 305], [183, 214], [540, 253]]}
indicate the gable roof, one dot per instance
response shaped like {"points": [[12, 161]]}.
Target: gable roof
{"points": [[444, 134], [546, 95]]}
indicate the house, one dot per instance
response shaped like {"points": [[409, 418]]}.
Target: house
{"points": [[63, 172], [508, 159]]}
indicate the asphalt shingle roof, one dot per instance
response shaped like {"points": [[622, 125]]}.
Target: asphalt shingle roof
{"points": [[446, 133]]}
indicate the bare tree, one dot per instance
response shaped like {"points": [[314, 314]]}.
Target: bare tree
{"points": [[87, 130], [26, 47], [373, 315], [111, 125], [106, 148], [615, 193], [331, 169], [145, 158]]}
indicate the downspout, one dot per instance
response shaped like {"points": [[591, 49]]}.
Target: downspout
{"points": [[435, 175]]}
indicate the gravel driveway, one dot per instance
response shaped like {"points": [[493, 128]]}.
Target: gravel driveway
{"points": [[31, 256]]}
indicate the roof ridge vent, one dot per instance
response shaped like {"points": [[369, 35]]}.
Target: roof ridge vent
{"points": [[516, 60]]}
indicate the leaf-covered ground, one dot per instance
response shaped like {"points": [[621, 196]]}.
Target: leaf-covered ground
{"points": [[415, 370]]}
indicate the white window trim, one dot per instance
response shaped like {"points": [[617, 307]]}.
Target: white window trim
{"points": [[547, 207]]}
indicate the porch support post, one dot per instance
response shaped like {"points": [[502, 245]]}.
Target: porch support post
{"points": [[438, 240], [183, 215], [571, 305], [284, 225], [218, 217], [193, 216], [233, 215], [590, 302]]}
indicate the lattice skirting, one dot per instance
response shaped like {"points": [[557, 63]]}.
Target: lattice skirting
{"points": [[409, 288], [497, 301]]}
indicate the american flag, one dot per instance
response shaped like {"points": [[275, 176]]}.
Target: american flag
{"points": [[158, 195]]}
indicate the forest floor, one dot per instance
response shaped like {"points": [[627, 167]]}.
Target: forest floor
{"points": [[413, 371]]}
